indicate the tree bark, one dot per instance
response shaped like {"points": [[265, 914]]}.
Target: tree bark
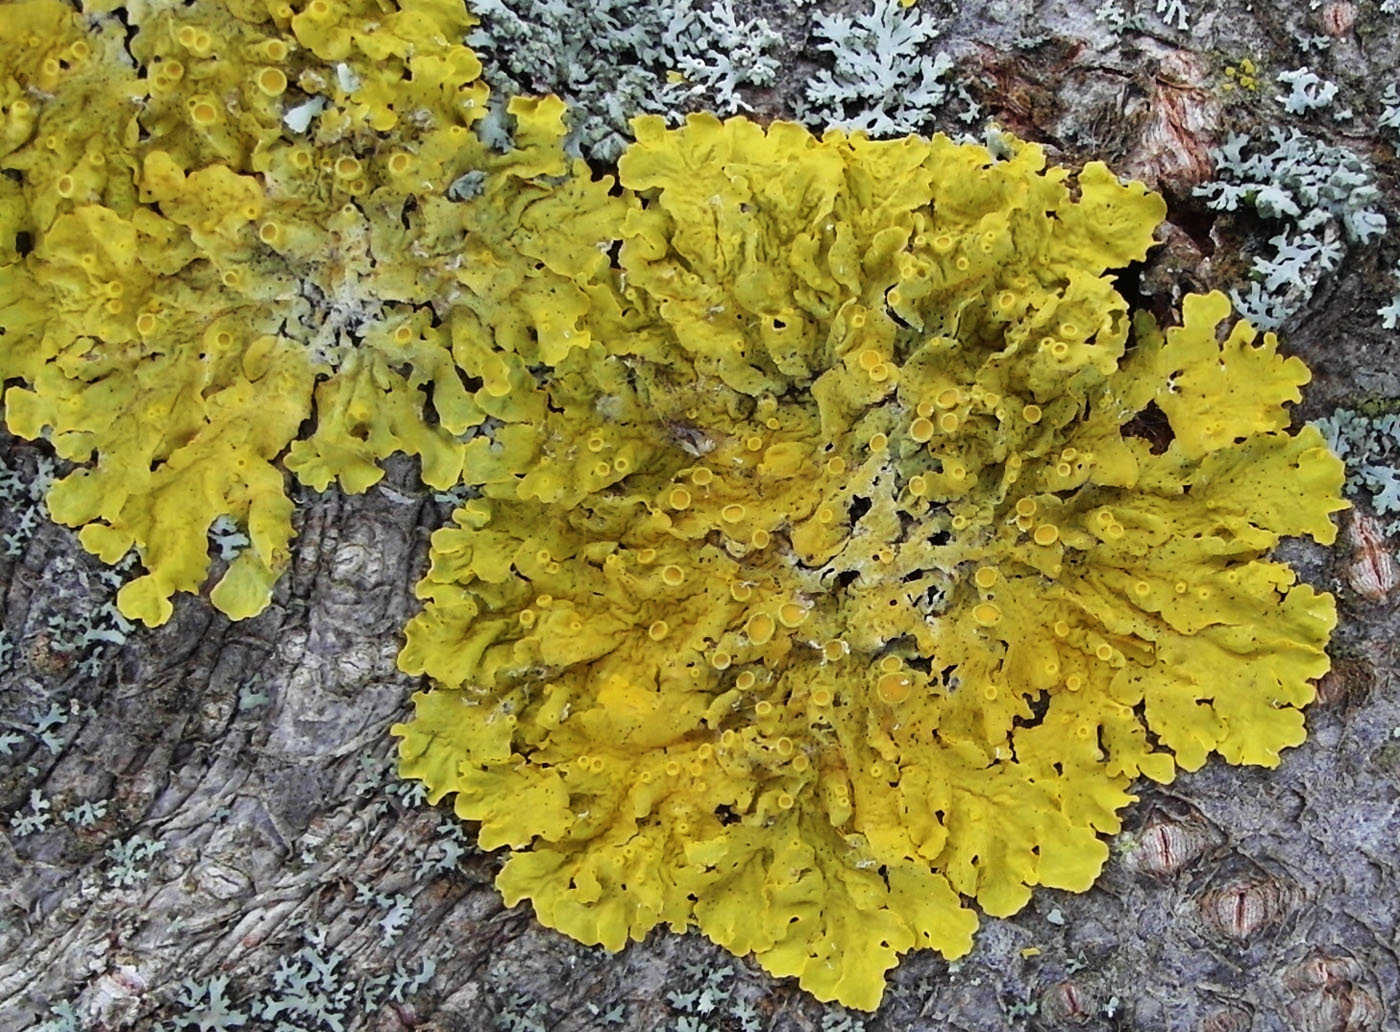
{"points": [[244, 818]]}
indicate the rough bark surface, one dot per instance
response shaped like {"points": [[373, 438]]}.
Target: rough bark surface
{"points": [[253, 830]]}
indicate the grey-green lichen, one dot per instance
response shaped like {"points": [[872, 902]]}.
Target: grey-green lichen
{"points": [[886, 75], [1320, 199], [1369, 444], [614, 59]]}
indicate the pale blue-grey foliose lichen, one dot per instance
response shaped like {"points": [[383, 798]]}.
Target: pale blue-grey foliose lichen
{"points": [[1174, 14], [1370, 447], [1390, 110], [885, 76], [614, 59], [1390, 311], [1307, 91], [1326, 199]]}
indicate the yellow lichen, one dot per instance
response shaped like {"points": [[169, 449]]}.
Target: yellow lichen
{"points": [[904, 367], [248, 237]]}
